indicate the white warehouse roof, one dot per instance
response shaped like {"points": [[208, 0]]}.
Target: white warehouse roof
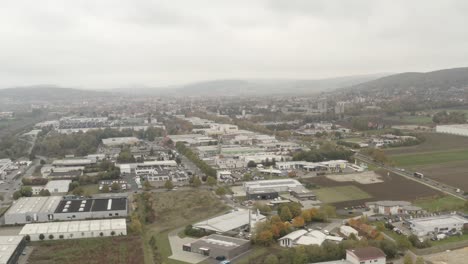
{"points": [[229, 221], [74, 226], [8, 245], [34, 204]]}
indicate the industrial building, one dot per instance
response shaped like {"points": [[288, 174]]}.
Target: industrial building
{"points": [[263, 194], [281, 185], [147, 165], [459, 129], [120, 141], [303, 237], [44, 209], [361, 256], [232, 222], [74, 209], [217, 246], [32, 209], [347, 231], [437, 224], [72, 162], [54, 187], [75, 229], [11, 248], [393, 207]]}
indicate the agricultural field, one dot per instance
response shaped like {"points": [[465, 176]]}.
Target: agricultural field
{"points": [[435, 142], [128, 249], [340, 194], [393, 187], [408, 160], [413, 120], [441, 157], [177, 209], [453, 173], [440, 203]]}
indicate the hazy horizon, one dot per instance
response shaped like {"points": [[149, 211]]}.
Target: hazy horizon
{"points": [[112, 44]]}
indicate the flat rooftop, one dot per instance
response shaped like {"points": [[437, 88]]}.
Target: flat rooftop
{"points": [[34, 204], [92, 205], [439, 220], [74, 226], [218, 241], [8, 245], [228, 222]]}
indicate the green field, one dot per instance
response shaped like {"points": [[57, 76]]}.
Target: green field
{"points": [[341, 194], [441, 203], [412, 120], [90, 189], [128, 249], [429, 158]]}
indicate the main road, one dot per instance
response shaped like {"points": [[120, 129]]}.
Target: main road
{"points": [[450, 190]]}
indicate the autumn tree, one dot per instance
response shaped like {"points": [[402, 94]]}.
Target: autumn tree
{"points": [[298, 221]]}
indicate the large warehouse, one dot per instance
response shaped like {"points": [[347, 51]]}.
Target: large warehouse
{"points": [[11, 248], [282, 185], [75, 229], [438, 224], [218, 246], [32, 209], [232, 222], [459, 129], [44, 209], [91, 208]]}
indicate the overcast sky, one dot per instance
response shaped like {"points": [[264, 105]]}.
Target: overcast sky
{"points": [[116, 43]]}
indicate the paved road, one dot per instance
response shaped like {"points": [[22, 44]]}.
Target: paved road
{"points": [[450, 190], [176, 247]]}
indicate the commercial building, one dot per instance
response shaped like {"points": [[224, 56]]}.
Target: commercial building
{"points": [[74, 209], [192, 139], [265, 194], [32, 209], [347, 231], [58, 186], [54, 187], [393, 207], [232, 222], [459, 129], [72, 162], [11, 248], [366, 255], [217, 246], [437, 224], [75, 229], [306, 238], [281, 185], [120, 141], [44, 209]]}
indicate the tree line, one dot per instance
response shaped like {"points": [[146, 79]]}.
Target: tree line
{"points": [[202, 165], [81, 144]]}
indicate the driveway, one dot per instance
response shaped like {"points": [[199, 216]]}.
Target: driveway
{"points": [[177, 252]]}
